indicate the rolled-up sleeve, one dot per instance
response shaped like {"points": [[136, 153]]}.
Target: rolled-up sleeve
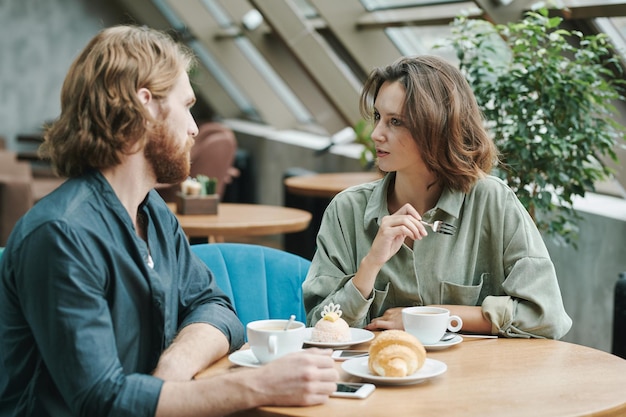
{"points": [[532, 306], [202, 301], [194, 294]]}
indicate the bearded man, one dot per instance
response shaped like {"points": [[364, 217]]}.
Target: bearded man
{"points": [[104, 309]]}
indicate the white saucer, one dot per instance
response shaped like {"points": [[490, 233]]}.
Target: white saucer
{"points": [[244, 358], [358, 367], [445, 345], [358, 336]]}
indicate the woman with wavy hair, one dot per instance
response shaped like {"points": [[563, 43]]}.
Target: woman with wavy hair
{"points": [[375, 256]]}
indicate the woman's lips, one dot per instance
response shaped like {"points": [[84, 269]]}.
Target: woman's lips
{"points": [[380, 153]]}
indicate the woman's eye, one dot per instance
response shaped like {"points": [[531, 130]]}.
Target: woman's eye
{"points": [[376, 116], [396, 122]]}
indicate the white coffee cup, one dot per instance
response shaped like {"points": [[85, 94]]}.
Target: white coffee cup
{"points": [[268, 339], [429, 324]]}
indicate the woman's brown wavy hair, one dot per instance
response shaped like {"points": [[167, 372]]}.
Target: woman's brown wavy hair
{"points": [[442, 115], [101, 115]]}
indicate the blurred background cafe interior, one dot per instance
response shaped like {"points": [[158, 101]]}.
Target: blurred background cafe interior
{"points": [[278, 82]]}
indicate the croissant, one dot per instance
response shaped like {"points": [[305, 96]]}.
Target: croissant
{"points": [[396, 353]]}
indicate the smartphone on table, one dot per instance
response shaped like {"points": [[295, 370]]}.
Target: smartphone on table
{"points": [[343, 355], [357, 390]]}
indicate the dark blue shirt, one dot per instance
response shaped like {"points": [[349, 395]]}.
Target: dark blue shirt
{"points": [[83, 315]]}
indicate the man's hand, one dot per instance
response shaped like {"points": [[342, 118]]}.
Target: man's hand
{"points": [[298, 379]]}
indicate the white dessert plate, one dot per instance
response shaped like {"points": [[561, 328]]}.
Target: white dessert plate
{"points": [[444, 345], [358, 367], [358, 336], [244, 358]]}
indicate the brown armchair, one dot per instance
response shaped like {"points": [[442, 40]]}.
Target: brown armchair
{"points": [[16, 195], [213, 155], [19, 190]]}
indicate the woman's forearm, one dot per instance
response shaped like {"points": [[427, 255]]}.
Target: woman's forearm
{"points": [[473, 319], [365, 277]]}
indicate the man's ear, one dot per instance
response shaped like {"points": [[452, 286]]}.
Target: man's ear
{"points": [[145, 97]]}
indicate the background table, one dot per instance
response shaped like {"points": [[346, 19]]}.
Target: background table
{"points": [[328, 185], [236, 220], [312, 192], [489, 377]]}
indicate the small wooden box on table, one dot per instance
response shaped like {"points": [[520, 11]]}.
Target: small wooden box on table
{"points": [[197, 204]]}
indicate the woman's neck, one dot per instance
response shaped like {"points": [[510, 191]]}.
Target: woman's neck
{"points": [[422, 192]]}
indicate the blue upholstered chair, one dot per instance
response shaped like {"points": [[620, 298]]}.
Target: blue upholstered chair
{"points": [[263, 282]]}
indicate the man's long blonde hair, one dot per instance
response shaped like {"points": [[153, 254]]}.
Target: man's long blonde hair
{"points": [[101, 115]]}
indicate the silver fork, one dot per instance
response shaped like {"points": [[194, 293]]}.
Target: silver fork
{"points": [[441, 227]]}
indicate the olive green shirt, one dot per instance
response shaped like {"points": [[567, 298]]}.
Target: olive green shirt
{"points": [[496, 259]]}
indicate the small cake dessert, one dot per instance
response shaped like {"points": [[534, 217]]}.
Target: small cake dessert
{"points": [[331, 328]]}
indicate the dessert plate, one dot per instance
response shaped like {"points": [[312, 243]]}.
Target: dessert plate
{"points": [[358, 367], [358, 336], [445, 345], [244, 358]]}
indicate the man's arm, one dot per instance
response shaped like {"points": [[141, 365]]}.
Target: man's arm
{"points": [[197, 346], [298, 379]]}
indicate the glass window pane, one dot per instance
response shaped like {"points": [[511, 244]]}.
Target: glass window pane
{"points": [[421, 40], [205, 58], [220, 16], [222, 77], [371, 5], [615, 28], [169, 14], [276, 82], [306, 9], [260, 63]]}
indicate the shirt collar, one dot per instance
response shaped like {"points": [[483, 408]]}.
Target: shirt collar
{"points": [[377, 202], [450, 201]]}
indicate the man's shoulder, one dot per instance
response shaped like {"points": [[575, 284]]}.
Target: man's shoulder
{"points": [[71, 196], [74, 204]]}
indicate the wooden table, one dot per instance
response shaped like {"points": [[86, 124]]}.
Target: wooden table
{"points": [[236, 220], [489, 377], [329, 184], [313, 192]]}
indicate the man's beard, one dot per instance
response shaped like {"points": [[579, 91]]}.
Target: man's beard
{"points": [[169, 161]]}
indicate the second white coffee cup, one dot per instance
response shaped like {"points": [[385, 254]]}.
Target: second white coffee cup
{"points": [[429, 324], [268, 340]]}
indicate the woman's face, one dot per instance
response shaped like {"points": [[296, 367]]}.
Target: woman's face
{"points": [[395, 148]]}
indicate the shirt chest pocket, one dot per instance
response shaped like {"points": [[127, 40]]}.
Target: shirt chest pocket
{"points": [[453, 293]]}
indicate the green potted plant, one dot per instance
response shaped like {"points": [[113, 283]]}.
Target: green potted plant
{"points": [[363, 131], [548, 95], [198, 196]]}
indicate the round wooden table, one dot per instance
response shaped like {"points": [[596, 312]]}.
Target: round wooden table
{"points": [[236, 220], [329, 184], [488, 377]]}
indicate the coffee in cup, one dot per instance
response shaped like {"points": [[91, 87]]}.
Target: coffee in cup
{"points": [[269, 340], [429, 324]]}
